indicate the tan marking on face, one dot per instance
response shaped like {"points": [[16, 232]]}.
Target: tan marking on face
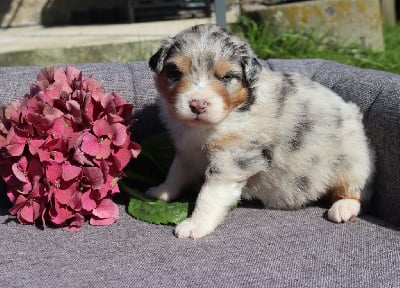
{"points": [[340, 191], [231, 101], [183, 63], [170, 94], [224, 141], [240, 97], [221, 68], [182, 86]]}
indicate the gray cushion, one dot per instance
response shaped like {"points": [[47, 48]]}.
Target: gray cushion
{"points": [[253, 247]]}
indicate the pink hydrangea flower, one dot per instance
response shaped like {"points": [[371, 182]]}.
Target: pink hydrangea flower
{"points": [[63, 148]]}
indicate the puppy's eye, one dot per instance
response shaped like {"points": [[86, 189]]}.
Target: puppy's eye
{"points": [[227, 77], [173, 74]]}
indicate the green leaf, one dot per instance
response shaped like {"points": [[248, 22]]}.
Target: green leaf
{"points": [[153, 211], [150, 169]]}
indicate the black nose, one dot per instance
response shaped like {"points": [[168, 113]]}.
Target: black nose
{"points": [[198, 106]]}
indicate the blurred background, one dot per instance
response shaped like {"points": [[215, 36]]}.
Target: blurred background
{"points": [[363, 33]]}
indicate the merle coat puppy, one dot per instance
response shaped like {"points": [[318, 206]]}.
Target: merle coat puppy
{"points": [[242, 131]]}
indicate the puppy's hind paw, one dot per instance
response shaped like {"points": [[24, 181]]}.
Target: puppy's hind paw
{"points": [[160, 192], [344, 210]]}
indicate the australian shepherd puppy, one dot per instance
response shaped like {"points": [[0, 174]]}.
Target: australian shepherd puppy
{"points": [[241, 131]]}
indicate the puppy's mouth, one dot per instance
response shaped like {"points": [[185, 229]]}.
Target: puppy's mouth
{"points": [[197, 121], [194, 120]]}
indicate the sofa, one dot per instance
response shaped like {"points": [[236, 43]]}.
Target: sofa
{"points": [[254, 247]]}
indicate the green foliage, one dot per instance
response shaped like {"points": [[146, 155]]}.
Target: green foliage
{"points": [[297, 44], [150, 169], [154, 211], [152, 165]]}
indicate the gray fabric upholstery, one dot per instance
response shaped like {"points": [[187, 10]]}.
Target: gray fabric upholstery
{"points": [[253, 247]]}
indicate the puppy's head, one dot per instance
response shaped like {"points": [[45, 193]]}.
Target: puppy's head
{"points": [[204, 73]]}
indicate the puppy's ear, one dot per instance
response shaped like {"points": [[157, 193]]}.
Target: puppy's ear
{"points": [[156, 61], [251, 68]]}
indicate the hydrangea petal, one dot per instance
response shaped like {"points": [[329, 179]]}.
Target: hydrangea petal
{"points": [[107, 103], [81, 158], [61, 128], [95, 88], [59, 214], [94, 176], [29, 213], [101, 127], [122, 158], [15, 149], [118, 100], [119, 134], [75, 110], [52, 113], [61, 83], [75, 223], [106, 213], [34, 145], [70, 171], [20, 168], [110, 187], [104, 149], [105, 209], [46, 74], [73, 74], [76, 200], [90, 144], [75, 140], [44, 155], [88, 202], [16, 143], [19, 202], [53, 172], [103, 222], [14, 137], [18, 187], [35, 169], [104, 191], [38, 121], [64, 196], [13, 111]]}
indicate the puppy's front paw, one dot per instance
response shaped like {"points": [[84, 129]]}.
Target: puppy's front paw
{"points": [[343, 210], [190, 228], [160, 192]]}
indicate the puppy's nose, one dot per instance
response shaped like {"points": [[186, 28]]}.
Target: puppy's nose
{"points": [[198, 106]]}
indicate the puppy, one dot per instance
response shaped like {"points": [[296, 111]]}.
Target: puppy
{"points": [[242, 131]]}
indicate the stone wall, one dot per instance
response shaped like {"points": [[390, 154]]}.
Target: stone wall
{"points": [[14, 13], [349, 21], [20, 13]]}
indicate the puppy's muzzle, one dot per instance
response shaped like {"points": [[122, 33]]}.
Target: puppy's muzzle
{"points": [[198, 106]]}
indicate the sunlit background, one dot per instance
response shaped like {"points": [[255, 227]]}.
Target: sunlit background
{"points": [[364, 33]]}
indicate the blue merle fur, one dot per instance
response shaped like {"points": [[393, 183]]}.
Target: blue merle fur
{"points": [[218, 42]]}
